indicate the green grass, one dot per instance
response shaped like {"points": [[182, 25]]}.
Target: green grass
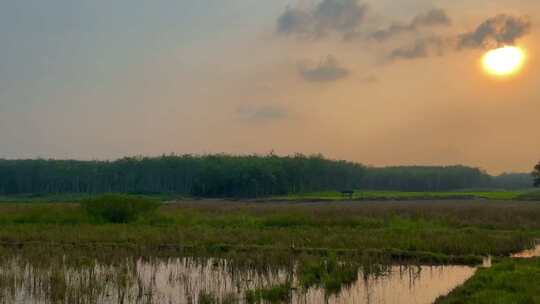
{"points": [[399, 195], [443, 228], [530, 196], [313, 196], [328, 273], [79, 197], [45, 198], [509, 282]]}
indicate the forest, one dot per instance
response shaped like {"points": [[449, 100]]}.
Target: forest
{"points": [[221, 175], [536, 175]]}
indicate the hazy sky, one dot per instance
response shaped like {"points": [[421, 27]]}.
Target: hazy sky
{"points": [[379, 82]]}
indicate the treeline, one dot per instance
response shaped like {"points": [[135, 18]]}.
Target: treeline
{"points": [[536, 175], [513, 181], [423, 178], [227, 176], [209, 175]]}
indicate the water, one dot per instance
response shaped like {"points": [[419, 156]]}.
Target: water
{"points": [[418, 285], [186, 280], [50, 279], [527, 254]]}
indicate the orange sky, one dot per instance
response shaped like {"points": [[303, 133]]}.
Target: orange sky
{"points": [[86, 80]]}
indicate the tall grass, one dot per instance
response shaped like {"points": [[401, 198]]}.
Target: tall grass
{"points": [[448, 228]]}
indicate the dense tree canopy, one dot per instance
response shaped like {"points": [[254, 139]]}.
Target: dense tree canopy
{"points": [[536, 175], [228, 176], [417, 178]]}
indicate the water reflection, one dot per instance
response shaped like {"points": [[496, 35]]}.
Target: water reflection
{"points": [[189, 280], [402, 285], [527, 254]]}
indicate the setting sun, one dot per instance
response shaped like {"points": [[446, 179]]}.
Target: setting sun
{"points": [[504, 61]]}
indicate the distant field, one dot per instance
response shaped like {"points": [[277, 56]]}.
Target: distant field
{"points": [[313, 196], [399, 195], [74, 197]]}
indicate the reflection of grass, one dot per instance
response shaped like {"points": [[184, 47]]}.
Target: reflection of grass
{"points": [[398, 195], [512, 281], [207, 298], [276, 294]]}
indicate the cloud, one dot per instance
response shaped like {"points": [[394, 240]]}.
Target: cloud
{"points": [[496, 32], [294, 21], [329, 16], [340, 15], [327, 71], [421, 48], [262, 113], [435, 17]]}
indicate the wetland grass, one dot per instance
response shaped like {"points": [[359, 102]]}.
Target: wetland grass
{"points": [[440, 231], [510, 281]]}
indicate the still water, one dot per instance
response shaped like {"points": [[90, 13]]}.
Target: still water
{"points": [[529, 253], [187, 280]]}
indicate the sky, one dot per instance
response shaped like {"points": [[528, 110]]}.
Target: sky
{"points": [[377, 82]]}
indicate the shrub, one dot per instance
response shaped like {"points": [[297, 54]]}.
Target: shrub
{"points": [[114, 208]]}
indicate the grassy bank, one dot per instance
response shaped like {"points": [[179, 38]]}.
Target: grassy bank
{"points": [[444, 228], [511, 281], [77, 197], [367, 195], [400, 195]]}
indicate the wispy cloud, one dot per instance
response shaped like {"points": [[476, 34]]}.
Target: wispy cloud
{"points": [[495, 32], [329, 16], [348, 18], [432, 18], [328, 70], [421, 48]]}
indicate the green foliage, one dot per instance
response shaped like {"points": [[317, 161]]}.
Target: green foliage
{"points": [[233, 176], [536, 175], [513, 181], [276, 294], [113, 208], [510, 282], [207, 175], [328, 273]]}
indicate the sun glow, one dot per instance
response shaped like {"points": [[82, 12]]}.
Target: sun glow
{"points": [[504, 61]]}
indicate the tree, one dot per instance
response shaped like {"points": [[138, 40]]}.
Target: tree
{"points": [[536, 175], [222, 175]]}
